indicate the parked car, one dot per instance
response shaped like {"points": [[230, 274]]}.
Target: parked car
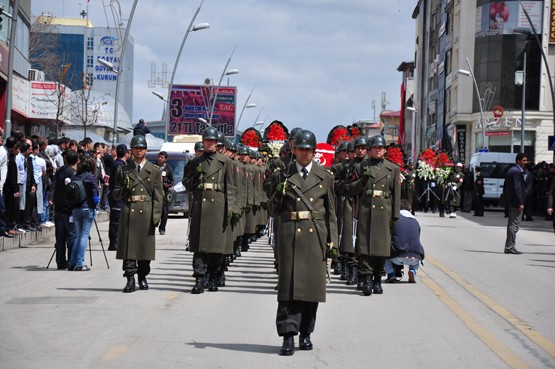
{"points": [[178, 196]]}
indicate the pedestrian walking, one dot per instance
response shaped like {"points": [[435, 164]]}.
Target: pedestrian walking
{"points": [[514, 194]]}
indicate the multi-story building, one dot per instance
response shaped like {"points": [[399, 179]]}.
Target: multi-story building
{"points": [[79, 45], [468, 57], [20, 110]]}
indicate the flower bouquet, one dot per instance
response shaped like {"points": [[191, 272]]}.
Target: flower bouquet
{"points": [[276, 131], [337, 135], [354, 131], [251, 138]]}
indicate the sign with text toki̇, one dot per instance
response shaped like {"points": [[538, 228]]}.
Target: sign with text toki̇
{"points": [[188, 103]]}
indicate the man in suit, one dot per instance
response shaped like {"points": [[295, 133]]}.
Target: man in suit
{"points": [[514, 193], [115, 206], [139, 186], [304, 201]]}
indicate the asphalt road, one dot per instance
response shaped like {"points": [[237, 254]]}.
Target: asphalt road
{"points": [[472, 307]]}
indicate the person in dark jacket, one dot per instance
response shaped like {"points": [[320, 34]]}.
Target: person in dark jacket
{"points": [[167, 182], [478, 193], [115, 206], [83, 215], [406, 248], [514, 193], [65, 229], [11, 186], [141, 128]]}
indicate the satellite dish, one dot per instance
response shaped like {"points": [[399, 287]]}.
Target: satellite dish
{"points": [[208, 81]]}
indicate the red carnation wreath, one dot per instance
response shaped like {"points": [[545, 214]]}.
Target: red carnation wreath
{"points": [[276, 131], [251, 138], [338, 134]]}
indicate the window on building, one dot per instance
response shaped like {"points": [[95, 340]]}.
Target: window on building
{"points": [[90, 43], [90, 61]]}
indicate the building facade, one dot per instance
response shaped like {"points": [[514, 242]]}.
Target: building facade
{"points": [[465, 91]]}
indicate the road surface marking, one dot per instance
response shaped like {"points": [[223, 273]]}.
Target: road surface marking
{"points": [[504, 352], [522, 326]]}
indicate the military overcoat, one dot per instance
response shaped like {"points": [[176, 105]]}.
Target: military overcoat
{"points": [[211, 182], [142, 207], [301, 247], [379, 205]]}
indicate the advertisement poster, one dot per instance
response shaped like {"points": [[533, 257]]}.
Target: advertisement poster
{"points": [[44, 100], [188, 103], [502, 17]]}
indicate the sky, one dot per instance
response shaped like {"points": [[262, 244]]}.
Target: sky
{"points": [[313, 64]]}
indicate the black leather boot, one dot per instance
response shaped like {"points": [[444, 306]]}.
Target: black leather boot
{"points": [[220, 281], [130, 286], [199, 286], [143, 285], [367, 285], [305, 343], [337, 268], [377, 284], [353, 276], [344, 271], [213, 282], [288, 346]]}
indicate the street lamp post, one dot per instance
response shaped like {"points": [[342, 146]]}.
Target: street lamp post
{"points": [[245, 106], [525, 30], [523, 83], [121, 68], [11, 51], [191, 28], [225, 72], [470, 73]]}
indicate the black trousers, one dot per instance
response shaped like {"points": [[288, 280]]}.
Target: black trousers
{"points": [[165, 212], [115, 212], [294, 317], [132, 267], [204, 263], [370, 265]]}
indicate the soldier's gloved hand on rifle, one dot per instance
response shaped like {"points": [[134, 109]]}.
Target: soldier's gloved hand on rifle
{"points": [[332, 251], [365, 175], [199, 168], [281, 188]]}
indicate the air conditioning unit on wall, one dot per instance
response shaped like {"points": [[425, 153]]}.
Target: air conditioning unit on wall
{"points": [[35, 75]]}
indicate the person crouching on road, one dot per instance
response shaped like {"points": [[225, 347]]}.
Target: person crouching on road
{"points": [[139, 186], [406, 248], [304, 201]]}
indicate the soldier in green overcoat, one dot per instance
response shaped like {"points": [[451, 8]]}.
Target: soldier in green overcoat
{"points": [[304, 201], [379, 189], [210, 179], [139, 186]]}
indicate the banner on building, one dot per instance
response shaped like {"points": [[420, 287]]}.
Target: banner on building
{"points": [[502, 17], [45, 97], [461, 141], [188, 103]]}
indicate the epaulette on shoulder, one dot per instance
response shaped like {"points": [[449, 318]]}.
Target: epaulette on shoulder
{"points": [[326, 170]]}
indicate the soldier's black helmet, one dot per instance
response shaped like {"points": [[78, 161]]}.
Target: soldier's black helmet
{"points": [[199, 146], [377, 140], [410, 161], [243, 150], [360, 141], [305, 139], [350, 146], [210, 133], [221, 139], [342, 146], [294, 132], [231, 146], [138, 141]]}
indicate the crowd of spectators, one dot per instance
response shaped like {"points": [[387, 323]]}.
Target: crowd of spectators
{"points": [[27, 171]]}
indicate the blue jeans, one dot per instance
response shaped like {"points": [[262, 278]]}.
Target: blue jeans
{"points": [[82, 219], [413, 264]]}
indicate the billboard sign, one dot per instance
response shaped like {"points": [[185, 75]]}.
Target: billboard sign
{"points": [[188, 103], [552, 23], [502, 17], [44, 100]]}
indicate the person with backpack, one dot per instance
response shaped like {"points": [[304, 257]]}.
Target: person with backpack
{"points": [[84, 209], [65, 230], [141, 128]]}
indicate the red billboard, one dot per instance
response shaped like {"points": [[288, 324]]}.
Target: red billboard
{"points": [[188, 103]]}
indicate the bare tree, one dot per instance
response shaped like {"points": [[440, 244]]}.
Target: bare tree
{"points": [[86, 108], [46, 55]]}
